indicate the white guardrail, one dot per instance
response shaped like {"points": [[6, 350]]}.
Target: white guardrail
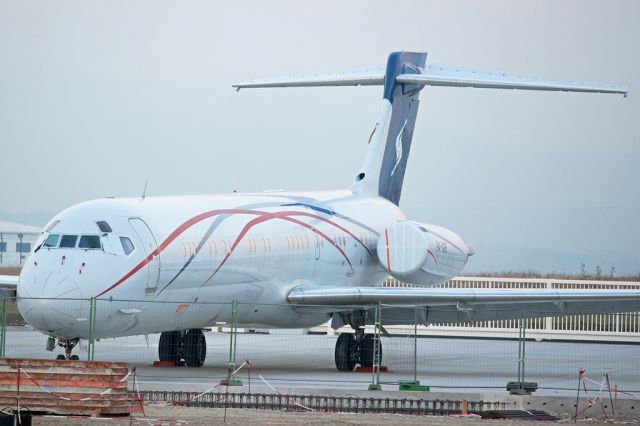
{"points": [[601, 327]]}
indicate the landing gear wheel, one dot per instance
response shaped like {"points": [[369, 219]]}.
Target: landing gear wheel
{"points": [[75, 358], [345, 351], [366, 351], [195, 348], [168, 346], [60, 357]]}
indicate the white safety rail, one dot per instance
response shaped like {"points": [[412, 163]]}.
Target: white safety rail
{"points": [[599, 327]]}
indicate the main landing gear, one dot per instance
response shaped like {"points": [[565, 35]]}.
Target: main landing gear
{"points": [[189, 345], [357, 348]]}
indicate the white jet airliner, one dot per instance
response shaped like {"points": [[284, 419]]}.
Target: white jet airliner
{"points": [[291, 259]]}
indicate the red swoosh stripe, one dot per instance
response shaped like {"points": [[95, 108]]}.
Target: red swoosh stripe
{"points": [[276, 215], [179, 230], [268, 215], [386, 236], [434, 258]]}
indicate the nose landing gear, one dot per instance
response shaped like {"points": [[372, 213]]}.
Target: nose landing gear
{"points": [[68, 346]]}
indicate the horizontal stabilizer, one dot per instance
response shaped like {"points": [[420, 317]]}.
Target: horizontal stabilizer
{"points": [[435, 75], [440, 76], [369, 77]]}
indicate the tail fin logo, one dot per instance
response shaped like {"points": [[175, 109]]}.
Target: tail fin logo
{"points": [[399, 147]]}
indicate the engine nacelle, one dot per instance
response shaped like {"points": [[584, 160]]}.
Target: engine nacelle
{"points": [[422, 254]]}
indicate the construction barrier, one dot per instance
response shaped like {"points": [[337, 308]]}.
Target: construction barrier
{"points": [[67, 387]]}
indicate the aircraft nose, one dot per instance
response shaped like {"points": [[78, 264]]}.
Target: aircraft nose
{"points": [[47, 300]]}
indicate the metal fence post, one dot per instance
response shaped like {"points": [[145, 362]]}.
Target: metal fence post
{"points": [[92, 325], [375, 379], [414, 385], [233, 331], [3, 327], [415, 344], [521, 348], [520, 387]]}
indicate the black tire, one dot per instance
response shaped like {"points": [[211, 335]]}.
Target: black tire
{"points": [[345, 349], [195, 348], [168, 346], [60, 357], [75, 358], [366, 351]]}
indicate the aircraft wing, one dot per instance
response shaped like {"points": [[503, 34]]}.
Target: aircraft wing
{"points": [[445, 305], [8, 285]]}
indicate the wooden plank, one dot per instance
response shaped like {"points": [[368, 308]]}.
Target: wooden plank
{"points": [[61, 391], [65, 383], [37, 402], [63, 370], [73, 396], [80, 409], [72, 364], [40, 378]]}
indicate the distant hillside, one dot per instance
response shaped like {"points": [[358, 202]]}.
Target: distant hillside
{"points": [[533, 261], [534, 274], [12, 270]]}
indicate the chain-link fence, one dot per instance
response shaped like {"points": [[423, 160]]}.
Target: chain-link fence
{"points": [[250, 354]]}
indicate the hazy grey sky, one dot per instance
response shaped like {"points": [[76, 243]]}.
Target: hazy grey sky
{"points": [[98, 97]]}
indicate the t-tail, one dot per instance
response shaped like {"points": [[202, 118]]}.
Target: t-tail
{"points": [[382, 172]]}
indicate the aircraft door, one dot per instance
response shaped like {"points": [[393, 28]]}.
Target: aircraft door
{"points": [[149, 245]]}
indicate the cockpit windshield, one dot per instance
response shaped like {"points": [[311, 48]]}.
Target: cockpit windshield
{"points": [[89, 242], [52, 241], [86, 242], [68, 241]]}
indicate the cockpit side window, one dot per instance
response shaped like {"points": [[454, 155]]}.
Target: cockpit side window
{"points": [[52, 241], [89, 242], [127, 245], [104, 226], [68, 241]]}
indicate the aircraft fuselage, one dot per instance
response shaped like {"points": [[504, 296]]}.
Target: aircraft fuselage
{"points": [[196, 254]]}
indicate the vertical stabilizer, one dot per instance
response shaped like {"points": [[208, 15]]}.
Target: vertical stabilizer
{"points": [[382, 172], [384, 166]]}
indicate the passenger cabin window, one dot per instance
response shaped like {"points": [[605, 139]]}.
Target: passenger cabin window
{"points": [[52, 241], [127, 245], [89, 242], [104, 226], [68, 241]]}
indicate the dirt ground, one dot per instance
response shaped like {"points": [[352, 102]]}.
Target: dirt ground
{"points": [[170, 415]]}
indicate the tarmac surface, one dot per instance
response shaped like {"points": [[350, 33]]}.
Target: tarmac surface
{"points": [[293, 361]]}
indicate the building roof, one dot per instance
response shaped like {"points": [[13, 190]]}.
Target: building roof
{"points": [[18, 228]]}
